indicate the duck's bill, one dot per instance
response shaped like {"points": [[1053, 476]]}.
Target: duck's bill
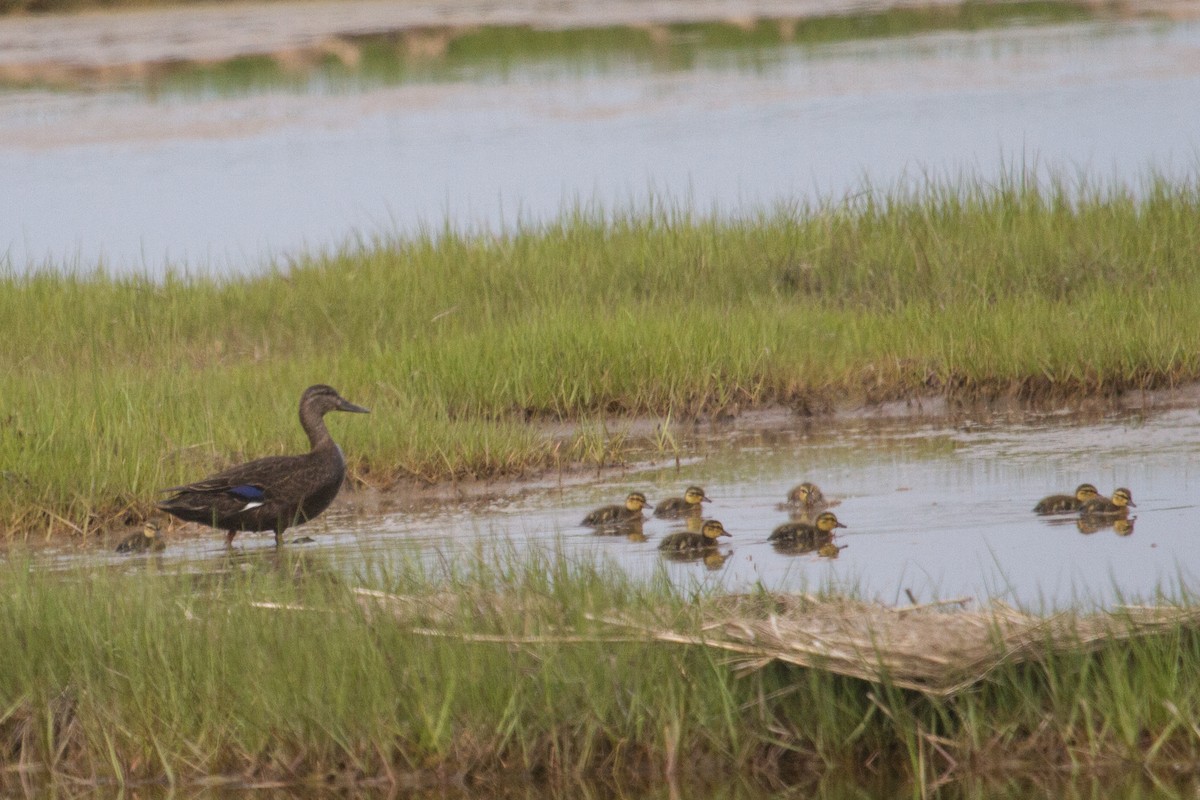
{"points": [[346, 405]]}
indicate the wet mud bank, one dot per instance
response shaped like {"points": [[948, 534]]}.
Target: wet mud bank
{"points": [[132, 44]]}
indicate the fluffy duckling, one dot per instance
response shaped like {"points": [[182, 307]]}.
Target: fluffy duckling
{"points": [[806, 496], [1119, 505], [1066, 503], [706, 538], [807, 535], [147, 539], [618, 515], [689, 504]]}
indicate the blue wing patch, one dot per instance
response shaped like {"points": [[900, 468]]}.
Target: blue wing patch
{"points": [[251, 494]]}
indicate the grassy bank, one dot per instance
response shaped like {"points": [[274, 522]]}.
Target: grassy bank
{"points": [[460, 344], [275, 670]]}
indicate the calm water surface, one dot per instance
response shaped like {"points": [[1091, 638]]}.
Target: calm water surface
{"points": [[227, 183], [938, 509]]}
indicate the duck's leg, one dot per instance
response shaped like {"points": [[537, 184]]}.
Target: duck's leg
{"points": [[279, 538], [229, 538]]}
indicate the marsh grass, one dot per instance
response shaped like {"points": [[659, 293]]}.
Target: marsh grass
{"points": [[461, 343], [275, 669]]}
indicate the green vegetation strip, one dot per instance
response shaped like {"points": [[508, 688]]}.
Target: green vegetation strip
{"points": [[460, 344], [276, 668]]}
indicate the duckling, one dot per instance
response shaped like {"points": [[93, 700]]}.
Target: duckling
{"points": [[808, 536], [1066, 503], [618, 515], [683, 540], [806, 496], [145, 539], [1119, 505], [689, 504]]}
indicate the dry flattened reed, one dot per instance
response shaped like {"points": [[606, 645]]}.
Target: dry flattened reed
{"points": [[938, 649]]}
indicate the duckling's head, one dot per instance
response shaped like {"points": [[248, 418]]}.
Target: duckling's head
{"points": [[1122, 498], [808, 494], [712, 529], [635, 501], [695, 496], [826, 522], [1085, 492], [323, 399], [150, 529]]}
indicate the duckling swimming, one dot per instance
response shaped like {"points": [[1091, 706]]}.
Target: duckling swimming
{"points": [[806, 496], [1119, 505], [689, 504], [606, 516], [147, 539], [684, 541], [1066, 503], [805, 535]]}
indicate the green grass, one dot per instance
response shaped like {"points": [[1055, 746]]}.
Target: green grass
{"points": [[461, 343], [496, 53], [172, 676]]}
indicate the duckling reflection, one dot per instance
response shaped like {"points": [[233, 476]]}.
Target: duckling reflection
{"points": [[714, 559], [688, 545], [688, 505], [1094, 523], [146, 540], [1117, 506], [615, 516], [831, 550], [633, 532], [1067, 503], [804, 537]]}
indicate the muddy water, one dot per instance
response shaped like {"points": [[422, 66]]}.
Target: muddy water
{"points": [[228, 183], [938, 510], [934, 508]]}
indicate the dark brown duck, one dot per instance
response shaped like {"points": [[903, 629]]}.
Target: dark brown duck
{"points": [[273, 493]]}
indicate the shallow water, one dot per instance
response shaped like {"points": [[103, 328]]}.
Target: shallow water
{"points": [[227, 183], [938, 509]]}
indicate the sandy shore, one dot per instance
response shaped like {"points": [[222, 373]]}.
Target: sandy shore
{"points": [[126, 40]]}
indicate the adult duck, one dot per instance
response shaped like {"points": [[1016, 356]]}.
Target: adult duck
{"points": [[276, 492], [1067, 503]]}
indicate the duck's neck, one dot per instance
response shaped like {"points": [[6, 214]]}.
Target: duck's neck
{"points": [[313, 423]]}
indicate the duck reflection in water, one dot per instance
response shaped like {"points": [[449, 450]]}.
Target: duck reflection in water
{"points": [[1122, 526]]}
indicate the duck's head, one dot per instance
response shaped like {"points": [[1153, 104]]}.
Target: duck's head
{"points": [[826, 522], [1085, 492], [322, 399], [695, 496], [713, 528], [808, 494], [635, 501], [1122, 498]]}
